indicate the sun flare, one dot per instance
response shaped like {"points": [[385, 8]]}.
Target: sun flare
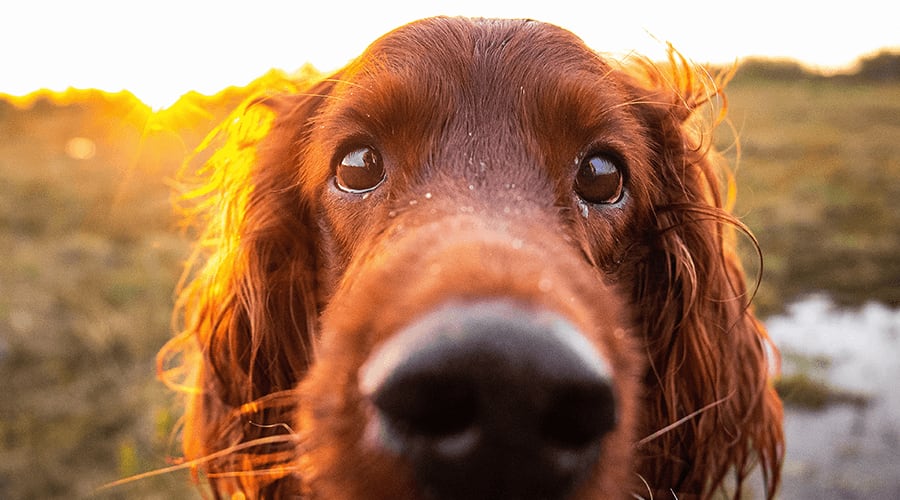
{"points": [[161, 51]]}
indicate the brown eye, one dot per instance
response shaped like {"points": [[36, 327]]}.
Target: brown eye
{"points": [[600, 180], [360, 171]]}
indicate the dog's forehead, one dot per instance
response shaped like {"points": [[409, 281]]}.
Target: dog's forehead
{"points": [[488, 73], [452, 92], [468, 50]]}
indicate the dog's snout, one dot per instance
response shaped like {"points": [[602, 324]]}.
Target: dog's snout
{"points": [[491, 400]]}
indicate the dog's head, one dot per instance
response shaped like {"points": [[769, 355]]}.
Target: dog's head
{"points": [[481, 261]]}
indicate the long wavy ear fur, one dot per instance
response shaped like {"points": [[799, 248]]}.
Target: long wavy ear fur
{"points": [[711, 409], [248, 307]]}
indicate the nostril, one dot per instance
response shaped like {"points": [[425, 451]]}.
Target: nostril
{"points": [[430, 407], [577, 417]]}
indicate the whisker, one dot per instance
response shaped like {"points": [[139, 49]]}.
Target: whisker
{"points": [[279, 439], [275, 471], [680, 422], [273, 426]]}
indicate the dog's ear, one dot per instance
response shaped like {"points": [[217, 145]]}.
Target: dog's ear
{"points": [[249, 302], [711, 407]]}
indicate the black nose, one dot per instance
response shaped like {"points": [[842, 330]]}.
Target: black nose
{"points": [[491, 400]]}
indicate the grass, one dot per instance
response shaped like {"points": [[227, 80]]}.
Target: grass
{"points": [[818, 183], [802, 386], [86, 281], [802, 390]]}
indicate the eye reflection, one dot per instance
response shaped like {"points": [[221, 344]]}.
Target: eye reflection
{"points": [[360, 171], [599, 180]]}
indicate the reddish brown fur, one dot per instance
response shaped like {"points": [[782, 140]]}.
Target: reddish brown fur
{"points": [[480, 124]]}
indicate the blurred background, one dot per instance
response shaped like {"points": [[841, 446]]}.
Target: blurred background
{"points": [[100, 104]]}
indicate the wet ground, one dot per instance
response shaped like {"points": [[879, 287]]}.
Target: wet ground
{"points": [[846, 450]]}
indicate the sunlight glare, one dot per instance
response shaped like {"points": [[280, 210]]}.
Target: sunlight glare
{"points": [[161, 97], [206, 46], [81, 148]]}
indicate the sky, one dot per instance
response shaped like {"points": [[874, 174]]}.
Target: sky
{"points": [[161, 49]]}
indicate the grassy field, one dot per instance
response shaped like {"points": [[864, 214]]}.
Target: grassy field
{"points": [[88, 268], [819, 183], [90, 255]]}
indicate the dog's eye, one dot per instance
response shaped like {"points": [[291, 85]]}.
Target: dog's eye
{"points": [[600, 180], [360, 171]]}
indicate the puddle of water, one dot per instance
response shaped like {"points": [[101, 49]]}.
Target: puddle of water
{"points": [[843, 451]]}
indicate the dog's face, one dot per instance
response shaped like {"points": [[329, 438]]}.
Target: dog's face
{"points": [[470, 197], [478, 262]]}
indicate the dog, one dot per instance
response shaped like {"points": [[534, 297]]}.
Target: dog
{"points": [[480, 261]]}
